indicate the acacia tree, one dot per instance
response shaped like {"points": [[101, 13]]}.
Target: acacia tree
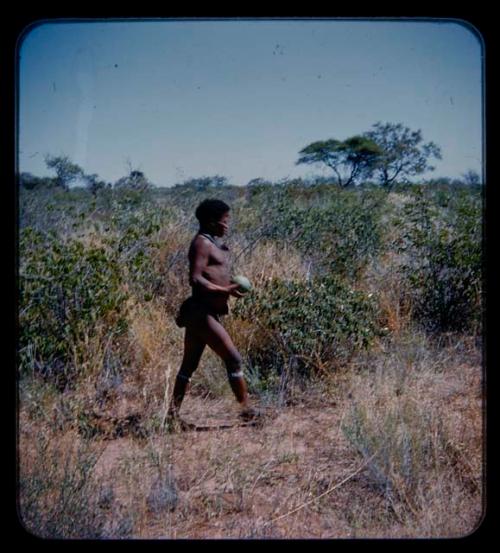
{"points": [[403, 155], [66, 170], [350, 160], [362, 155]]}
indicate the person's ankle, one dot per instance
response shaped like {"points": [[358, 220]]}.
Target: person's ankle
{"points": [[244, 405], [172, 413], [249, 413]]}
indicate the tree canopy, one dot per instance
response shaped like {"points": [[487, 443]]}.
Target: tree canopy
{"points": [[66, 170], [402, 153], [350, 160]]}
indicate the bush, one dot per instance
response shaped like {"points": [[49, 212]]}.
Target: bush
{"points": [[337, 231], [67, 290], [136, 245], [307, 324], [441, 244], [48, 210]]}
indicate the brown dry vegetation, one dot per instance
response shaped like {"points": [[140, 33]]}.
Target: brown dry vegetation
{"points": [[234, 483], [388, 446]]}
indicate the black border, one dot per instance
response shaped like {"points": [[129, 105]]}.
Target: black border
{"points": [[13, 30]]}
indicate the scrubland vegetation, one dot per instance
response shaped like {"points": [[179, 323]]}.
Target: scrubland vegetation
{"points": [[362, 340]]}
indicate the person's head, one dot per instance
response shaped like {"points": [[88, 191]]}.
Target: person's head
{"points": [[213, 216]]}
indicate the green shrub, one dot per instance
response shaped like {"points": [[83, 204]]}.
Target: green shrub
{"points": [[441, 244], [337, 231], [308, 323], [67, 290], [56, 210], [134, 235]]}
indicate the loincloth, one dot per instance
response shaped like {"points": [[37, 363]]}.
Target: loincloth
{"points": [[193, 311]]}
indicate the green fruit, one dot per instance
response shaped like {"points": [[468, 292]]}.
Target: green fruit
{"points": [[244, 283]]}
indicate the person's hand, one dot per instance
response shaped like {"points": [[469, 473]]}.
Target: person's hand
{"points": [[233, 291]]}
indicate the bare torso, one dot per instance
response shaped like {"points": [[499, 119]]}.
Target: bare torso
{"points": [[215, 269]]}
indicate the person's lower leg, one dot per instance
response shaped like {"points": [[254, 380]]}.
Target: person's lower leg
{"points": [[193, 350], [237, 382], [239, 388], [180, 387]]}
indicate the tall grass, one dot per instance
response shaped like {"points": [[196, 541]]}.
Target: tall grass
{"points": [[57, 498], [400, 414]]}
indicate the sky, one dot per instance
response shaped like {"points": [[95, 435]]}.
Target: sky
{"points": [[240, 98]]}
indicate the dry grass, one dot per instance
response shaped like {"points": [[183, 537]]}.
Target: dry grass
{"points": [[268, 260], [420, 405], [172, 263], [384, 280], [233, 483]]}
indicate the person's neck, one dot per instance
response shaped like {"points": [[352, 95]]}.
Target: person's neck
{"points": [[206, 231]]}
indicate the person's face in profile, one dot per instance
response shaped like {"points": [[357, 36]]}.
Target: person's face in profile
{"points": [[220, 227]]}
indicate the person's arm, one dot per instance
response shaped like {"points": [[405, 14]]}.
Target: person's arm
{"points": [[198, 261]]}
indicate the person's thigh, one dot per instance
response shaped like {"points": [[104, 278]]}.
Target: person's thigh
{"points": [[193, 350], [216, 337]]}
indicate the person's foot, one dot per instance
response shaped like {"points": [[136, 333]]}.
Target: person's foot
{"points": [[249, 414], [175, 424]]}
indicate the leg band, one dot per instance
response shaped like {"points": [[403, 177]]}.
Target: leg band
{"points": [[239, 374], [184, 377]]}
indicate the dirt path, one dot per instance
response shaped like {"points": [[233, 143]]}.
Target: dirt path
{"points": [[275, 480], [233, 482]]}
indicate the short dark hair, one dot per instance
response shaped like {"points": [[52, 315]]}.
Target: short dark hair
{"points": [[211, 210]]}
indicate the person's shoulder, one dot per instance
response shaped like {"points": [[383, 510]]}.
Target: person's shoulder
{"points": [[200, 242], [201, 239]]}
